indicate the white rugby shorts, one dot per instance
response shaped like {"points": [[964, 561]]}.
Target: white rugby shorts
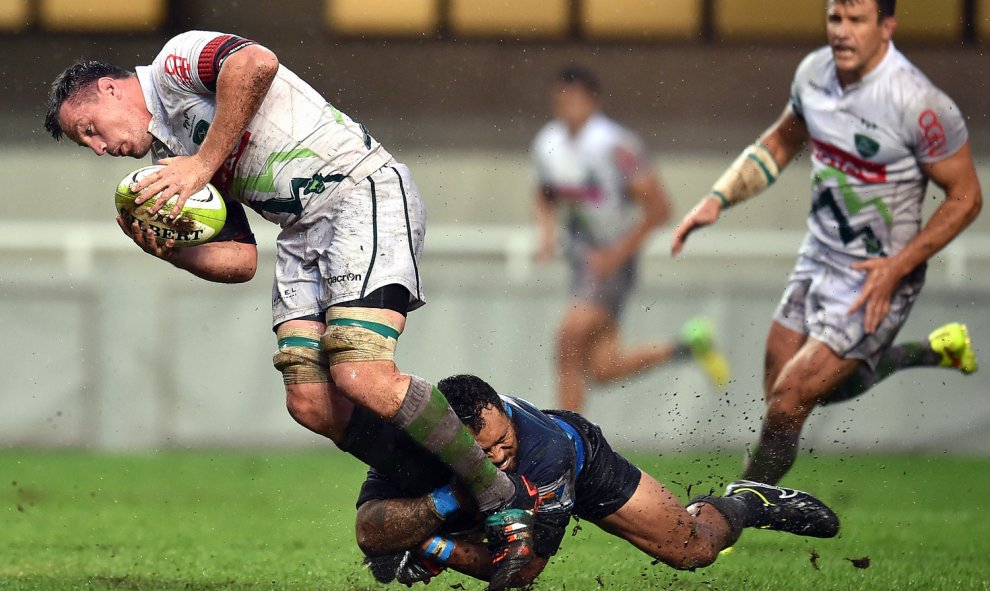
{"points": [[819, 292], [361, 235]]}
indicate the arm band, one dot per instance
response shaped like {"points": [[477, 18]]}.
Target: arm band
{"points": [[444, 501], [753, 171], [439, 549]]}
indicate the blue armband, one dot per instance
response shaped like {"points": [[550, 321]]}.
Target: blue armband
{"points": [[439, 549], [444, 501]]}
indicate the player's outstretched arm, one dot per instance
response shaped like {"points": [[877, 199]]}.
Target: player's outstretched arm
{"points": [[242, 85], [753, 171], [956, 175]]}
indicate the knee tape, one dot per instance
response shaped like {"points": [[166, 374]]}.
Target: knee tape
{"points": [[359, 334], [299, 356]]}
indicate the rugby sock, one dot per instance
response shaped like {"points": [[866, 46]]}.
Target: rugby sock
{"points": [[896, 358], [426, 416], [382, 446], [774, 456], [734, 510]]}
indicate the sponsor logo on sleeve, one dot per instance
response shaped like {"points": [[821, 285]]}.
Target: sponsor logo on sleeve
{"points": [[933, 133], [178, 67]]}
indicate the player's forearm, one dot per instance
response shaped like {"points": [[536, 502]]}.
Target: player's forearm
{"points": [[656, 211], [471, 558], [546, 223], [759, 164], [220, 262], [242, 85], [394, 525]]}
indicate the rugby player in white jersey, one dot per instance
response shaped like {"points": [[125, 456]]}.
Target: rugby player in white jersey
{"points": [[595, 171], [878, 131], [219, 108]]}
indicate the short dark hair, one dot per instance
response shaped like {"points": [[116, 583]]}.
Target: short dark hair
{"points": [[69, 85], [885, 8], [469, 395], [581, 76]]}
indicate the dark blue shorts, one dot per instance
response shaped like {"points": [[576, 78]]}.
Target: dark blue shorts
{"points": [[607, 480]]}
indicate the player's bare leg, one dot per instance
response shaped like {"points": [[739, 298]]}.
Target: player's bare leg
{"points": [[309, 396], [610, 361], [802, 382], [947, 347], [656, 522], [575, 340]]}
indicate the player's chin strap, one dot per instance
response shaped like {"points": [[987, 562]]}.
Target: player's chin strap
{"points": [[359, 334], [753, 171]]}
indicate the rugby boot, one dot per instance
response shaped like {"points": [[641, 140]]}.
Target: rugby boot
{"points": [[952, 343], [698, 334], [383, 568], [784, 509], [509, 532], [416, 569]]}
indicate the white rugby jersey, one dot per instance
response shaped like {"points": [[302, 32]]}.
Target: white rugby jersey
{"points": [[294, 146], [868, 141], [588, 174]]}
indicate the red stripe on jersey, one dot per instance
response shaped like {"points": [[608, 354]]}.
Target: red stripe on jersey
{"points": [[868, 172], [213, 54]]}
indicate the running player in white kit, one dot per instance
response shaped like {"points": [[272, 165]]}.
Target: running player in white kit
{"points": [[596, 171], [879, 130], [218, 107]]}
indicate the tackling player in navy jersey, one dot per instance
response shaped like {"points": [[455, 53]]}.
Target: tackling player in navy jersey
{"points": [[414, 523]]}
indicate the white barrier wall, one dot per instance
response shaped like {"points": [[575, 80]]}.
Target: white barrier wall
{"points": [[107, 348]]}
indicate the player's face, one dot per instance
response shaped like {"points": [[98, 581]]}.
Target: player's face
{"points": [[498, 438], [573, 104], [106, 123], [857, 36]]}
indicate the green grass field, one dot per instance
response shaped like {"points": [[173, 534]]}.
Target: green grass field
{"points": [[263, 521]]}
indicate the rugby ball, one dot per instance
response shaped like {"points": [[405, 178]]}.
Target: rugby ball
{"points": [[201, 219]]}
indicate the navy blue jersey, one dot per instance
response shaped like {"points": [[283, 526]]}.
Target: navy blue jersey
{"points": [[546, 456]]}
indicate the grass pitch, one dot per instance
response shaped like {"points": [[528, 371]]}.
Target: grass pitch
{"points": [[211, 520]]}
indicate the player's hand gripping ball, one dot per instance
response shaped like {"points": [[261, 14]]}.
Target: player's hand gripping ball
{"points": [[201, 218]]}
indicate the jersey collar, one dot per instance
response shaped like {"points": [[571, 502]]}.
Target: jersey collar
{"points": [[874, 74], [158, 126]]}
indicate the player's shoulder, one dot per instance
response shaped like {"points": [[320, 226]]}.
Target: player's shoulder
{"points": [[906, 78], [815, 67], [908, 91], [605, 135], [550, 135], [606, 127], [191, 39]]}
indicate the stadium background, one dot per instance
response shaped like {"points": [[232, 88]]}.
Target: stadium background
{"points": [[109, 349]]}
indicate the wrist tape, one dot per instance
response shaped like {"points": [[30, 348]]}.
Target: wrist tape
{"points": [[753, 171]]}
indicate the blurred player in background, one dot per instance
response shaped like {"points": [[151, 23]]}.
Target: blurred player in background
{"points": [[218, 107], [412, 525], [879, 130], [598, 173]]}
